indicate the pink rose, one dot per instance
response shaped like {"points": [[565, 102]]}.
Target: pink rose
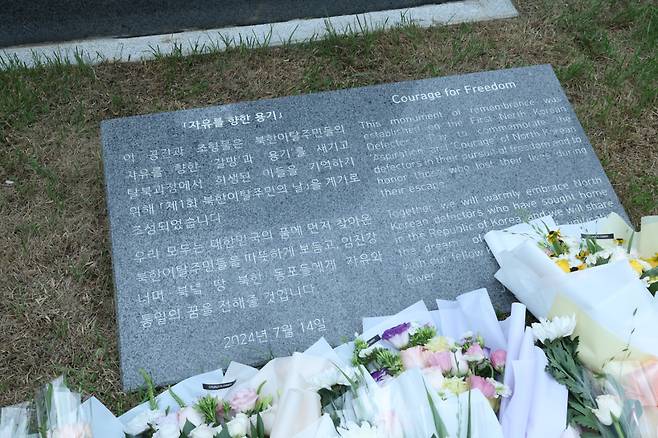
{"points": [[414, 357], [474, 353], [442, 360], [485, 387], [498, 359], [244, 400]]}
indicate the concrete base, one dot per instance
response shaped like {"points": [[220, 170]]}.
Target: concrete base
{"points": [[99, 50]]}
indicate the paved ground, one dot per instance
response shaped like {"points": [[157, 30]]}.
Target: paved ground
{"points": [[39, 21]]}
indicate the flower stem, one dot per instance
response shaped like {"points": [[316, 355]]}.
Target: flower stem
{"points": [[620, 432]]}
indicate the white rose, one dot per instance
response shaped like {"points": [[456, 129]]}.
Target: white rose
{"points": [[558, 327], [167, 430], [189, 414], [205, 431], [238, 427], [434, 377], [459, 364], [268, 416], [141, 422], [609, 408]]}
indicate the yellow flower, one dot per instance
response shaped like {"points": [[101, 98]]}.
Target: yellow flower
{"points": [[582, 255], [455, 385], [438, 344], [653, 261], [637, 266], [563, 264], [619, 241], [553, 236]]}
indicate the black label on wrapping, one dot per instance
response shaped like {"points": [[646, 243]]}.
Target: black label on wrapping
{"points": [[597, 236], [372, 341], [217, 386]]}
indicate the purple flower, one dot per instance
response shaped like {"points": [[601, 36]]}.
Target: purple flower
{"points": [[380, 375], [398, 336]]}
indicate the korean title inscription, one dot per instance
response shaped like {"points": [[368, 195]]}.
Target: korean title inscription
{"points": [[252, 229]]}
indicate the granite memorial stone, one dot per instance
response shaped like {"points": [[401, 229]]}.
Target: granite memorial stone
{"points": [[251, 229]]}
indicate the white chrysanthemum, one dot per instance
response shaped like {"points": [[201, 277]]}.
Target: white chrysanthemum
{"points": [[367, 351], [328, 378], [550, 330], [353, 430], [614, 254], [141, 422]]}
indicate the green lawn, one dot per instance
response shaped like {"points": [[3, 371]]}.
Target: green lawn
{"points": [[56, 297]]}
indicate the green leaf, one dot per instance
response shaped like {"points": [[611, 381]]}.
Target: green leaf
{"points": [[650, 273], [421, 336], [630, 242], [208, 407], [260, 387], [175, 396], [353, 383], [224, 433], [653, 287], [438, 422], [468, 426], [188, 428], [150, 389], [585, 421], [260, 427]]}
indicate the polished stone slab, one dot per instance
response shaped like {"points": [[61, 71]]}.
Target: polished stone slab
{"points": [[251, 229]]}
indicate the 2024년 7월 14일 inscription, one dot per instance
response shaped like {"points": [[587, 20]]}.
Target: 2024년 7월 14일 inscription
{"points": [[245, 230]]}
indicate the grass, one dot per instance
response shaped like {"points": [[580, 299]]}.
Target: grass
{"points": [[55, 273]]}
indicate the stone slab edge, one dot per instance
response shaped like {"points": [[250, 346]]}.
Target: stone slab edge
{"points": [[96, 51]]}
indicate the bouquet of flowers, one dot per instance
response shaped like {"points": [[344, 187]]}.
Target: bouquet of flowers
{"points": [[60, 413], [611, 299], [597, 402], [452, 367], [15, 421], [454, 372], [499, 366], [210, 416], [532, 253]]}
